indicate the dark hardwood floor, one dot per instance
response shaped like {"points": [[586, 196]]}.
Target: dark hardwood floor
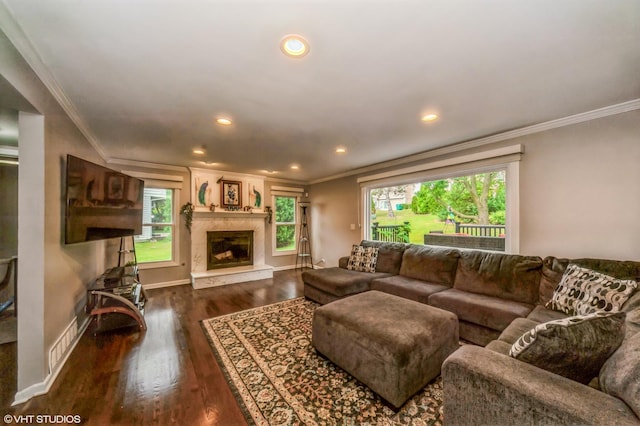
{"points": [[166, 375]]}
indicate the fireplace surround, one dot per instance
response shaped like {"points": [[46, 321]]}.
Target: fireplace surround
{"points": [[205, 222]]}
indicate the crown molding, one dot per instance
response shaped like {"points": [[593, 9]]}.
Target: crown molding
{"points": [[148, 165], [498, 137], [20, 41]]}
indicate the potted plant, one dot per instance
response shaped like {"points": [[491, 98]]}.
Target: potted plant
{"points": [[187, 211]]}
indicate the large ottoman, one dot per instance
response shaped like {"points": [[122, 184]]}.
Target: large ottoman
{"points": [[391, 344]]}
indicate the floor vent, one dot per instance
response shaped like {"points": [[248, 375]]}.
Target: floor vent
{"points": [[59, 349]]}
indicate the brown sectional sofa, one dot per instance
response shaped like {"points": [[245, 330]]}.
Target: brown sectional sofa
{"points": [[485, 290], [497, 297]]}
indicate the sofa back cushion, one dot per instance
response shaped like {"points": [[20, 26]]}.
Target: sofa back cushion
{"points": [[436, 265], [389, 255], [553, 269], [507, 276]]}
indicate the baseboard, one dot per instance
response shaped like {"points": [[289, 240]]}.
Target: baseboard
{"points": [[284, 268], [289, 267], [58, 355], [165, 284]]}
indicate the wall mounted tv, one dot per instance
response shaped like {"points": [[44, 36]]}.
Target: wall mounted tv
{"points": [[101, 203]]}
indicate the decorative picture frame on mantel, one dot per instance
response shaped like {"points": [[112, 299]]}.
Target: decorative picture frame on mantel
{"points": [[231, 194]]}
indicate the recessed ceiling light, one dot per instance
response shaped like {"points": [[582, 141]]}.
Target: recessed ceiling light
{"points": [[295, 167], [294, 46], [198, 151], [429, 117], [341, 150], [223, 121]]}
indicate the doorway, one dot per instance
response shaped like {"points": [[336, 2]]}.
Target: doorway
{"points": [[8, 253]]}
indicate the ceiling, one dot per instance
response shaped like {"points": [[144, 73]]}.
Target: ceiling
{"points": [[146, 78]]}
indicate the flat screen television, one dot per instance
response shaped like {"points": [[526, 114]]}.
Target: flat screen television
{"points": [[100, 203]]}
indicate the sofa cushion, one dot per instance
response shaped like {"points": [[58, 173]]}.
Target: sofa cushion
{"points": [[542, 314], [506, 276], [340, 282], [620, 374], [408, 288], [516, 329], [499, 346], [477, 334], [389, 255], [583, 291], [435, 265], [553, 269], [633, 303], [633, 322], [551, 274], [574, 347], [363, 259], [491, 312]]}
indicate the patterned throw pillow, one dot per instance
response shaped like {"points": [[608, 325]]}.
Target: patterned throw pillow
{"points": [[574, 347], [363, 259], [583, 291]]}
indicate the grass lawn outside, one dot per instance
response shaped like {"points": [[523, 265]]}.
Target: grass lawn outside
{"points": [[289, 247], [153, 250], [420, 223]]}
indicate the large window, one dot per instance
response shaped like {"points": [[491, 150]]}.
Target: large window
{"points": [[284, 223], [459, 210], [156, 243]]}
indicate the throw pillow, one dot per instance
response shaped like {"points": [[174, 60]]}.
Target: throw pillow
{"points": [[363, 259], [574, 347], [582, 291], [620, 375]]}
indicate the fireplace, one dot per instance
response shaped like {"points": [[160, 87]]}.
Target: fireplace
{"points": [[228, 249], [227, 270]]}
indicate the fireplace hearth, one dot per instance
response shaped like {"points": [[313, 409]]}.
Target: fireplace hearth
{"points": [[229, 249]]}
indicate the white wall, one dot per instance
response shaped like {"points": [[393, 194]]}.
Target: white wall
{"points": [[580, 190], [334, 208]]}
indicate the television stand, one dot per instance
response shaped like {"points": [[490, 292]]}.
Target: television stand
{"points": [[124, 296]]}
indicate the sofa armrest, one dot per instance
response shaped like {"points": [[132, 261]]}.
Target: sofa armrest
{"points": [[483, 387]]}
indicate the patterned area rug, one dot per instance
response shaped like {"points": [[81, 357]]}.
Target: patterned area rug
{"points": [[279, 379]]}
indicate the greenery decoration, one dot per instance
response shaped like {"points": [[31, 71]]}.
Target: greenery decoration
{"points": [[187, 211], [403, 232]]}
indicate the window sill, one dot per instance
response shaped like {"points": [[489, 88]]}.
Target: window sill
{"points": [[284, 253], [157, 265]]}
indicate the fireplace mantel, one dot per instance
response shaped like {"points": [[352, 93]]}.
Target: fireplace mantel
{"points": [[224, 213]]}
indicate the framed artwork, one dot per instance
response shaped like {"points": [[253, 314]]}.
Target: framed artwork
{"points": [[114, 190], [231, 193]]}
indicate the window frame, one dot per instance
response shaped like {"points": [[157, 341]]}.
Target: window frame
{"points": [[175, 232], [275, 224], [511, 168]]}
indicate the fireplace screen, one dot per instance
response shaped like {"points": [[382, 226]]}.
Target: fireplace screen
{"points": [[227, 249]]}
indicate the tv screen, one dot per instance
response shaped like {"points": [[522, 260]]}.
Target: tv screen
{"points": [[100, 203]]}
